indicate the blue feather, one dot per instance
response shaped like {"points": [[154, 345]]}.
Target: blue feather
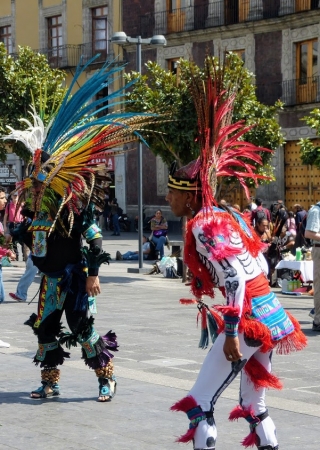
{"points": [[78, 112]]}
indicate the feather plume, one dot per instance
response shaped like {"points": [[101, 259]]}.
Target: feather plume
{"points": [[76, 134], [222, 150]]}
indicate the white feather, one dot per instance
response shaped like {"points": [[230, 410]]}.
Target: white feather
{"points": [[33, 137]]}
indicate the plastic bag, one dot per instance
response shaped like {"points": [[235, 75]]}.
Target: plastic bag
{"points": [[165, 262]]}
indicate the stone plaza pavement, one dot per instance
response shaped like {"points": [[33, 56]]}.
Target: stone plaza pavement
{"points": [[157, 363]]}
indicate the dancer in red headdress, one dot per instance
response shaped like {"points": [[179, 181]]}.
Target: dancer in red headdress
{"points": [[223, 251]]}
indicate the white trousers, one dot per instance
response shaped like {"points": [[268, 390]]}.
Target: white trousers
{"points": [[215, 375]]}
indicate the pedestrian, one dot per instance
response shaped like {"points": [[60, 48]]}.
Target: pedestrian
{"points": [[12, 218], [222, 251], [60, 193], [115, 217], [313, 232], [25, 281], [260, 212], [3, 252], [300, 219]]}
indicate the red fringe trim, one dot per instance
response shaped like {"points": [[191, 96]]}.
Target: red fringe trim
{"points": [[185, 404], [250, 440], [293, 342], [187, 301], [240, 413], [233, 311], [187, 437], [260, 377]]}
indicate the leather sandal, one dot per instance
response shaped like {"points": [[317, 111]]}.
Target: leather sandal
{"points": [[41, 393], [107, 388]]}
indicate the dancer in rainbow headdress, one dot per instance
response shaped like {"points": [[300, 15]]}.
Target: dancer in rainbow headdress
{"points": [[59, 195], [223, 251]]}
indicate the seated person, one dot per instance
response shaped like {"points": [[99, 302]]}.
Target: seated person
{"points": [[159, 228], [146, 249], [286, 243]]}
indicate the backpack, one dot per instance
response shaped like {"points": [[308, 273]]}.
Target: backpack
{"points": [[260, 214], [153, 253]]}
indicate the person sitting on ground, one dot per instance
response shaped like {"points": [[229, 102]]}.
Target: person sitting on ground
{"points": [[146, 249]]}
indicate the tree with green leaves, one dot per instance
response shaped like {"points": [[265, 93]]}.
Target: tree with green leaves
{"points": [[26, 79], [310, 153], [175, 137]]}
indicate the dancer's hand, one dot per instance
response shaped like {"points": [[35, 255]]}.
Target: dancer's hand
{"points": [[92, 286], [231, 349]]}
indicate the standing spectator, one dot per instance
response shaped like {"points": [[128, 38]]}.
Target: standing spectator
{"points": [[280, 217], [106, 211], [300, 215], [25, 281], [291, 224], [263, 231], [252, 205], [260, 212], [3, 252], [12, 218], [115, 217], [313, 232], [159, 228]]}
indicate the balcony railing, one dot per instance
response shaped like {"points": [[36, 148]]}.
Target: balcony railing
{"points": [[68, 56], [221, 12], [290, 92]]}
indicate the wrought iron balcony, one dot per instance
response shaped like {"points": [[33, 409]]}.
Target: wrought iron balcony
{"points": [[290, 92], [215, 13], [68, 56]]}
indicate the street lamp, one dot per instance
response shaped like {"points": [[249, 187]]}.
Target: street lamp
{"points": [[120, 38]]}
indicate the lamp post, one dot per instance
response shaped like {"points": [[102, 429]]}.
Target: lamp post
{"points": [[120, 38]]}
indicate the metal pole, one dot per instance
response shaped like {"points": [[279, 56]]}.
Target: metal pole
{"points": [[140, 183]]}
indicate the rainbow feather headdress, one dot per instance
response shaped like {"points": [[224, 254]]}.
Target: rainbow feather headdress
{"points": [[222, 152], [76, 133]]}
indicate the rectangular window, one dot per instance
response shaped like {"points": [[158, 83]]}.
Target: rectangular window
{"points": [[240, 53], [5, 37], [55, 41], [176, 15], [236, 11], [100, 32], [306, 5], [307, 70]]}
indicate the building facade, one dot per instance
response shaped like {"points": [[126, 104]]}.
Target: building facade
{"points": [[278, 41], [65, 31]]}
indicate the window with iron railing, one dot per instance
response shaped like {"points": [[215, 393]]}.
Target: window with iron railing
{"points": [[307, 70], [100, 32], [55, 40], [5, 37]]}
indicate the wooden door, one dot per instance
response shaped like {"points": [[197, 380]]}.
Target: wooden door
{"points": [[303, 5], [244, 6], [307, 71], [176, 15], [302, 183]]}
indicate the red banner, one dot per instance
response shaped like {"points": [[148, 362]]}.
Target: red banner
{"points": [[104, 158]]}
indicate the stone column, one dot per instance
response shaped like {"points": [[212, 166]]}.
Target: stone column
{"points": [[286, 7], [256, 10], [215, 13]]}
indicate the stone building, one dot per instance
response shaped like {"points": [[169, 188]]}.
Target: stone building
{"points": [[278, 41]]}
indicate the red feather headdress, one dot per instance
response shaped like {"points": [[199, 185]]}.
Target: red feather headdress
{"points": [[223, 153]]}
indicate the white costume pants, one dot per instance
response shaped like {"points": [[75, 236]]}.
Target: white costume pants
{"points": [[215, 375]]}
